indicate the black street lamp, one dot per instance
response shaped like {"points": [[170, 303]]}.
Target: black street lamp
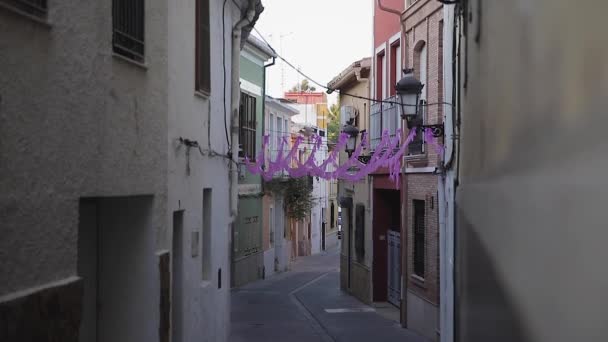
{"points": [[353, 133], [409, 89]]}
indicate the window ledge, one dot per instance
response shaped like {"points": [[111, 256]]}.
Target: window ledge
{"points": [[36, 19], [414, 157], [202, 94], [418, 281], [142, 66]]}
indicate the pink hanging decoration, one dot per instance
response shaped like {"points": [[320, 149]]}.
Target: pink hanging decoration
{"points": [[388, 154]]}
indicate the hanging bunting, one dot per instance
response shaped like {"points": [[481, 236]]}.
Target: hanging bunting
{"points": [[388, 154]]}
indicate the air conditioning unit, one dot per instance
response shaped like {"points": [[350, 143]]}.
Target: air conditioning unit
{"points": [[347, 113]]}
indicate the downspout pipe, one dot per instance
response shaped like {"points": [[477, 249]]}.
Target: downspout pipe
{"points": [[388, 9], [403, 29], [235, 87]]}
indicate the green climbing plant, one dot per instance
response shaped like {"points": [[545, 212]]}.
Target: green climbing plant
{"points": [[297, 195]]}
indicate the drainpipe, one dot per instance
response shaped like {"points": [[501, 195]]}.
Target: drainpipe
{"points": [[274, 59], [403, 30], [235, 87]]}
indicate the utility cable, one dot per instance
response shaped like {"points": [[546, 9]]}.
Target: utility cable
{"points": [[330, 90]]}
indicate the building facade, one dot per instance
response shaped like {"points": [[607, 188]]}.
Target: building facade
{"points": [[277, 241], [115, 218], [248, 246], [423, 22], [356, 253], [530, 242], [312, 119], [408, 35]]}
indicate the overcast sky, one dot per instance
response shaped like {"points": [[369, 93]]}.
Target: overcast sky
{"points": [[321, 37]]}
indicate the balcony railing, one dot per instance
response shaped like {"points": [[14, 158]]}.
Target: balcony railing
{"points": [[383, 116]]}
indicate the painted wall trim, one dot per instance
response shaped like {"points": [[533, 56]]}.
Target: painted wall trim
{"points": [[27, 292], [428, 169], [251, 87]]}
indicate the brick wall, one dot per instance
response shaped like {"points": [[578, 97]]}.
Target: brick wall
{"points": [[423, 22], [424, 187]]}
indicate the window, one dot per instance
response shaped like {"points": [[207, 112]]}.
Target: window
{"points": [[395, 69], [207, 210], [128, 28], [34, 7], [419, 238], [272, 136], [271, 226], [420, 66], [203, 78], [332, 215], [380, 72], [279, 132], [360, 231], [247, 127]]}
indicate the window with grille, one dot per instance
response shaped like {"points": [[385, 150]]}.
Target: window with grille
{"points": [[34, 7], [247, 127], [128, 28], [419, 238], [203, 70]]}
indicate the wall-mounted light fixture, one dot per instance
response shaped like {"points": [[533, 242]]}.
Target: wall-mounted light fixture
{"points": [[353, 133], [409, 89]]}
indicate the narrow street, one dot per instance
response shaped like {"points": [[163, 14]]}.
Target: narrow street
{"points": [[306, 304]]}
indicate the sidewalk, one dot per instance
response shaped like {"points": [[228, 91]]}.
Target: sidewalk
{"points": [[306, 304]]}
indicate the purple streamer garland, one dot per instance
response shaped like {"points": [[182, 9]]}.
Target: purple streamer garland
{"points": [[388, 154]]}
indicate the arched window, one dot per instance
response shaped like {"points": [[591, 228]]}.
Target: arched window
{"points": [[420, 71]]}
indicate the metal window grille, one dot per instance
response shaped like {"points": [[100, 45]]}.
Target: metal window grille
{"points": [[375, 114], [203, 67], [384, 116], [34, 7], [128, 28], [419, 238], [247, 127]]}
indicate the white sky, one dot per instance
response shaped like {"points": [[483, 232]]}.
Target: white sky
{"points": [[321, 37]]}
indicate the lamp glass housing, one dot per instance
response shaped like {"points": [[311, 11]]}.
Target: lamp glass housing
{"points": [[351, 143], [409, 104]]}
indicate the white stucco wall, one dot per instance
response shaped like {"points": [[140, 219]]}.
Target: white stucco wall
{"points": [[75, 122], [200, 118]]}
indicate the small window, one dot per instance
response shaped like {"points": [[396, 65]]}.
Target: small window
{"points": [[416, 147], [207, 224], [128, 28], [247, 127], [37, 8], [360, 231], [203, 70], [419, 238], [332, 215]]}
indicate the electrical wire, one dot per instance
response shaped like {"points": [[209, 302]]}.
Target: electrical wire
{"points": [[339, 91]]}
